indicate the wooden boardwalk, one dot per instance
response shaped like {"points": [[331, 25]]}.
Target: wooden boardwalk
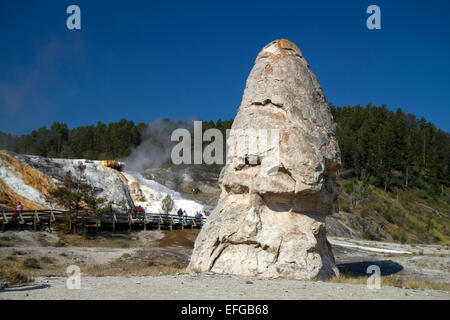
{"points": [[42, 219]]}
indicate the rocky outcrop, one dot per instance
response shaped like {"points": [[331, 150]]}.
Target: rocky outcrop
{"points": [[30, 179], [269, 220]]}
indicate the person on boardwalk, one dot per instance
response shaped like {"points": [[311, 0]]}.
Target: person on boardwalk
{"points": [[18, 211], [180, 214]]}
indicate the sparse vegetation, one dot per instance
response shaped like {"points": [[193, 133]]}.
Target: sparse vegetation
{"points": [[31, 263], [396, 282], [11, 258], [19, 253], [398, 217], [77, 195], [6, 241], [13, 277], [136, 267], [368, 236], [61, 243], [46, 259], [167, 204], [102, 240]]}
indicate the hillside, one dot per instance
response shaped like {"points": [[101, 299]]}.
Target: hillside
{"points": [[407, 216]]}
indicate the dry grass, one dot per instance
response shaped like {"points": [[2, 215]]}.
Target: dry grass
{"points": [[12, 272], [396, 282], [101, 240], [31, 263], [134, 267], [6, 241], [14, 277], [19, 269]]}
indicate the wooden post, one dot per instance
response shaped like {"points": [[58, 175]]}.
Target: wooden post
{"points": [[69, 216], [159, 222], [114, 221], [129, 222], [36, 216], [50, 220], [145, 223], [21, 219], [34, 221]]}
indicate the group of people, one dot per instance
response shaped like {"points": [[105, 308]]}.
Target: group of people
{"points": [[139, 210], [182, 213], [198, 215]]}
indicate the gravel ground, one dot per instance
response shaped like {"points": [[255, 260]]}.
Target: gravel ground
{"points": [[207, 286], [432, 264], [354, 256]]}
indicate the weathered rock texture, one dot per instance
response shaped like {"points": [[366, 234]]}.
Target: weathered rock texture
{"points": [[30, 180], [272, 224]]}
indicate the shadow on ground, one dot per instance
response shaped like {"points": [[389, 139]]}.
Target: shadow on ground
{"points": [[24, 288], [387, 267]]}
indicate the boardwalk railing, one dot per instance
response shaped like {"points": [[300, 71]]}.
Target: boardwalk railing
{"points": [[40, 219]]}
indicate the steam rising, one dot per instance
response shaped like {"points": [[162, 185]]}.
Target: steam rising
{"points": [[156, 146]]}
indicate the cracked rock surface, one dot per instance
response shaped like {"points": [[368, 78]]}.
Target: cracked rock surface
{"points": [[269, 221]]}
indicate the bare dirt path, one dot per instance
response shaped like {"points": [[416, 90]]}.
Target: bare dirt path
{"points": [[353, 256], [207, 286]]}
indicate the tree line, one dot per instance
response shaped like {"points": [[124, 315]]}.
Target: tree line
{"points": [[385, 148], [95, 142], [392, 149]]}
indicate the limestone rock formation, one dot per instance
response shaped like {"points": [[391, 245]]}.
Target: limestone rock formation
{"points": [[269, 220]]}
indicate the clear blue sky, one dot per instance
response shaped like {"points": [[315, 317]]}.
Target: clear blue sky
{"points": [[143, 60]]}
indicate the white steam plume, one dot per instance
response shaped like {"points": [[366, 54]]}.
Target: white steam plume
{"points": [[156, 147]]}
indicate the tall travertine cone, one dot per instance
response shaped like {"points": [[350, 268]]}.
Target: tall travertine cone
{"points": [[269, 221]]}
